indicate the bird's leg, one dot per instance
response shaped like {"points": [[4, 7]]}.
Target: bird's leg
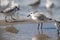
{"points": [[41, 25], [5, 18], [38, 27], [58, 31]]}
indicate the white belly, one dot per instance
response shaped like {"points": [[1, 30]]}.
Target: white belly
{"points": [[34, 18]]}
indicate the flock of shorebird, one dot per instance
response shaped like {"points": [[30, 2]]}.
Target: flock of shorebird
{"points": [[35, 15]]}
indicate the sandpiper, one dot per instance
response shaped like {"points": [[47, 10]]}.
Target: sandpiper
{"points": [[14, 7], [39, 17]]}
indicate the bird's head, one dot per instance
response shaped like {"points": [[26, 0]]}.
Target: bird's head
{"points": [[18, 8], [16, 5], [30, 14]]}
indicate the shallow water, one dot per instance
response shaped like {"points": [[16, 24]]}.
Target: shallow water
{"points": [[27, 31]]}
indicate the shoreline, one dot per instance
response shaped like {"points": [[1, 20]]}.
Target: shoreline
{"points": [[23, 21]]}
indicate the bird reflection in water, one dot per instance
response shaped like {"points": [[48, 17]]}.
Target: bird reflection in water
{"points": [[40, 36]]}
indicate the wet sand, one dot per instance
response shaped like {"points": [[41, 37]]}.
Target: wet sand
{"points": [[24, 21]]}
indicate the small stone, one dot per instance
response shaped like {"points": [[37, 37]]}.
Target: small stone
{"points": [[12, 30]]}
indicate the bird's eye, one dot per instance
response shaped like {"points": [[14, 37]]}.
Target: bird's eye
{"points": [[31, 13], [15, 6]]}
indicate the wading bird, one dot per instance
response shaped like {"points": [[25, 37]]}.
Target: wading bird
{"points": [[39, 17]]}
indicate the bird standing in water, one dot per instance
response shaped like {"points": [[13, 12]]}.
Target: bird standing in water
{"points": [[39, 17]]}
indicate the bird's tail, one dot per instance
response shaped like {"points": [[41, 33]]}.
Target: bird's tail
{"points": [[53, 20]]}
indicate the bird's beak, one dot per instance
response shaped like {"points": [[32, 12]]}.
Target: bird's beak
{"points": [[18, 8], [1, 11], [28, 15]]}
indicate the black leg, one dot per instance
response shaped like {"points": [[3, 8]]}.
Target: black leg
{"points": [[5, 18], [58, 31], [41, 25], [38, 28]]}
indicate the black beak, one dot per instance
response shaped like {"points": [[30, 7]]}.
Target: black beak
{"points": [[28, 15], [18, 8]]}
